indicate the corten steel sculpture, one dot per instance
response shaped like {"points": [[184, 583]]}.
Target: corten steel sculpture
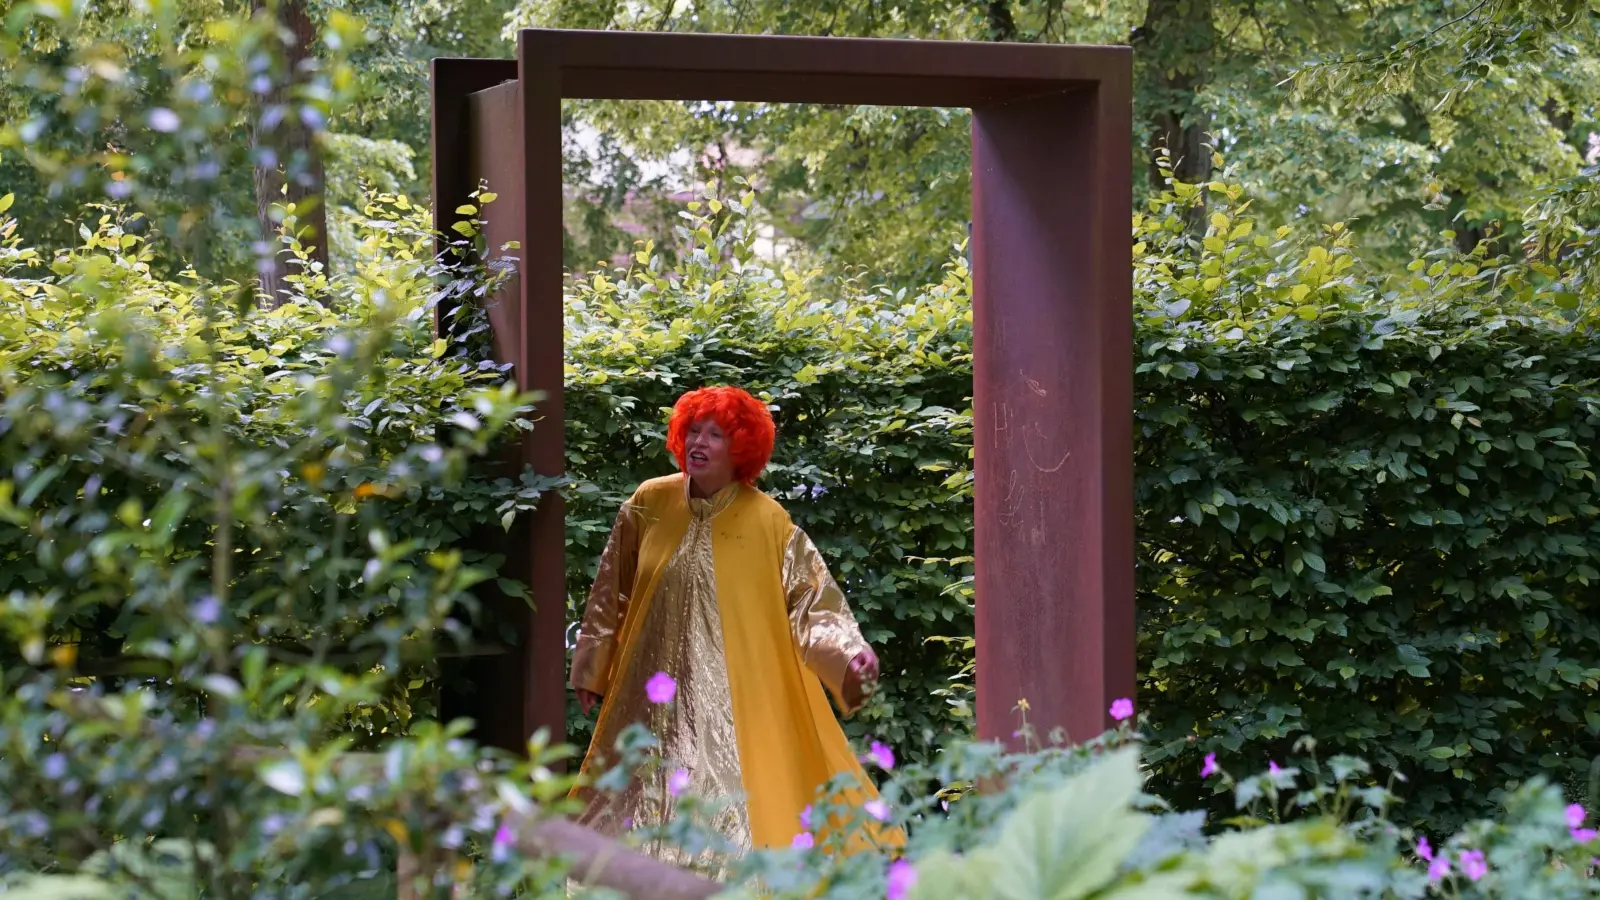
{"points": [[1052, 308]]}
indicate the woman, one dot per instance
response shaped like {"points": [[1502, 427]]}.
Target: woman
{"points": [[706, 579]]}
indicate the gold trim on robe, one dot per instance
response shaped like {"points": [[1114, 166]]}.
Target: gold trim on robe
{"points": [[824, 630], [734, 602], [608, 604], [682, 636]]}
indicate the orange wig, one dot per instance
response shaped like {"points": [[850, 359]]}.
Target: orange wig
{"points": [[743, 418]]}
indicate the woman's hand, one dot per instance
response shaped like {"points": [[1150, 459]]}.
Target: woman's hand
{"points": [[860, 677], [588, 700]]}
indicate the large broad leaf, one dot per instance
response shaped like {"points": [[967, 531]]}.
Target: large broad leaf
{"points": [[165, 869], [944, 876], [1069, 842], [1159, 886], [60, 887], [1060, 845]]}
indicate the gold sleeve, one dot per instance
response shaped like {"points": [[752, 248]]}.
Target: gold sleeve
{"points": [[824, 630], [607, 606]]}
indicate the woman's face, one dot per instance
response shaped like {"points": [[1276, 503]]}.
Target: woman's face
{"points": [[706, 455]]}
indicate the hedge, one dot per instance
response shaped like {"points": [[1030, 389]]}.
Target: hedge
{"points": [[123, 395], [869, 392], [1365, 507], [150, 428]]}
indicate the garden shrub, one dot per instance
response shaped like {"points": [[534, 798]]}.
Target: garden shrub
{"points": [[1366, 515], [869, 391], [1367, 512], [107, 371], [1365, 506], [229, 542]]}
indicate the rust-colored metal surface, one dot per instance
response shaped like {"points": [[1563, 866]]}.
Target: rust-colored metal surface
{"points": [[450, 83], [1053, 355], [1053, 410]]}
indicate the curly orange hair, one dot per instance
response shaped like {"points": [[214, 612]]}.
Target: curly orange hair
{"points": [[744, 419]]}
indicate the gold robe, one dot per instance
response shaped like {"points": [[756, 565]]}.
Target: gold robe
{"points": [[732, 600]]}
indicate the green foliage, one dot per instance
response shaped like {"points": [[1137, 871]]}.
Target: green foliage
{"points": [[886, 189], [108, 371], [229, 542], [226, 533], [1067, 824], [1365, 504], [1366, 511], [869, 391], [229, 537], [153, 109]]}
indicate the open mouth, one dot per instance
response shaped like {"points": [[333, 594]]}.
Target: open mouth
{"points": [[698, 458]]}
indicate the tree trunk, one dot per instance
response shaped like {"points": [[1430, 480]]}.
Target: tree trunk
{"points": [[291, 172], [1174, 53]]}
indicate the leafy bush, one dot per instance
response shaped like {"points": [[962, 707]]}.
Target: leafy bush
{"points": [[107, 374], [869, 392], [229, 542], [229, 545], [1366, 510], [1058, 822]]}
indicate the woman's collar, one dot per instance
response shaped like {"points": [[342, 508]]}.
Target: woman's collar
{"points": [[716, 502]]}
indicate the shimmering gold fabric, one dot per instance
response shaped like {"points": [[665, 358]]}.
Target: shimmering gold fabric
{"points": [[825, 632], [727, 599], [682, 636], [608, 604]]}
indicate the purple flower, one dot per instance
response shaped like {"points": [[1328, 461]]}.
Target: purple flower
{"points": [[805, 818], [1210, 768], [1273, 768], [1121, 709], [1575, 815], [661, 688], [1472, 864], [678, 782], [164, 120], [804, 841], [503, 841], [880, 755], [877, 809], [1440, 868], [1584, 835], [1424, 849], [902, 877]]}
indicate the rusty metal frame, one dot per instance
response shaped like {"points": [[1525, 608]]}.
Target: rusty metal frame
{"points": [[1052, 305]]}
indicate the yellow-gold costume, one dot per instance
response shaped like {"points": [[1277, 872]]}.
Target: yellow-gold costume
{"points": [[732, 600]]}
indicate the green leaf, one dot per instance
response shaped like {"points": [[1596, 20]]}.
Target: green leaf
{"points": [[1070, 842], [63, 887], [1540, 623], [284, 776], [168, 514]]}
